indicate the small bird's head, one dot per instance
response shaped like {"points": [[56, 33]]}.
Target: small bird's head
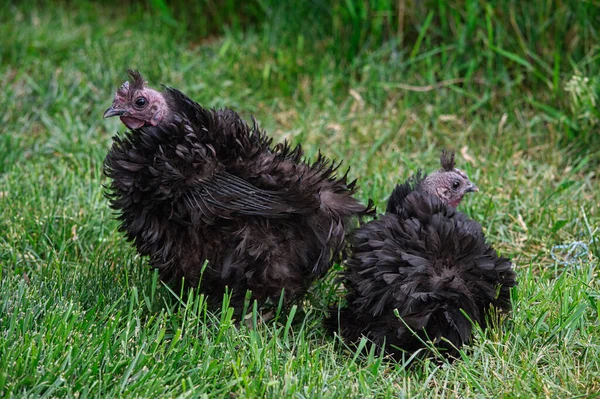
{"points": [[449, 183], [138, 105]]}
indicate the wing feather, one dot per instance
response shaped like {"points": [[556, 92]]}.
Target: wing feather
{"points": [[226, 195]]}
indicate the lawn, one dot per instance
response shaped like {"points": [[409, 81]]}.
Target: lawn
{"points": [[513, 89]]}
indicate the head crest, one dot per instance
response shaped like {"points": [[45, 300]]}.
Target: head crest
{"points": [[137, 82], [123, 90], [447, 161]]}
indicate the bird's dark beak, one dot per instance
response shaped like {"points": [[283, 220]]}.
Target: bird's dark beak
{"points": [[472, 189], [113, 112]]}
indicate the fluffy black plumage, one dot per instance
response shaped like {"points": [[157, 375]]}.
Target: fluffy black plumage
{"points": [[431, 263], [202, 185]]}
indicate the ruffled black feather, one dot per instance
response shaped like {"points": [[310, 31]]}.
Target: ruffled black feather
{"points": [[207, 187], [432, 264]]}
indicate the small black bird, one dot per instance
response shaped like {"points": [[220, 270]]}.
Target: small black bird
{"points": [[429, 262], [194, 185]]}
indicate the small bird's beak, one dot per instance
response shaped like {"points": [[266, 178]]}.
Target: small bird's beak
{"points": [[113, 112], [472, 189]]}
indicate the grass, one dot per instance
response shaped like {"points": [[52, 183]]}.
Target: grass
{"points": [[82, 315]]}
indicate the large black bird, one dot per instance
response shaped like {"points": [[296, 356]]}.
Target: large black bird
{"points": [[429, 262], [192, 185]]}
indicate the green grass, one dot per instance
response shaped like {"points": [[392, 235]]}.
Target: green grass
{"points": [[82, 315]]}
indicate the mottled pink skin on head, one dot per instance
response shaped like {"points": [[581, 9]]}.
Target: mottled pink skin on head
{"points": [[132, 123], [138, 105], [449, 183], [456, 202]]}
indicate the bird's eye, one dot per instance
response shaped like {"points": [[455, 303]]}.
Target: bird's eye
{"points": [[140, 102], [455, 185]]}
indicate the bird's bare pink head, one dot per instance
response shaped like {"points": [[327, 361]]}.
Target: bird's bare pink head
{"points": [[449, 183], [137, 104]]}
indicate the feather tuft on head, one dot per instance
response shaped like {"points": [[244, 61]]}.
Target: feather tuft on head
{"points": [[123, 91], [137, 81], [447, 160]]}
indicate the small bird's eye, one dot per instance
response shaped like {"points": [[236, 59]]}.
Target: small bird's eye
{"points": [[455, 185], [140, 102]]}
